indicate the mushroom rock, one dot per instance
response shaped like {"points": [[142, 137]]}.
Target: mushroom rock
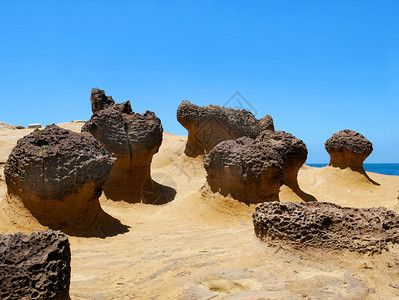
{"points": [[293, 153], [249, 170], [35, 266], [133, 139], [326, 225], [209, 125], [348, 149], [57, 174]]}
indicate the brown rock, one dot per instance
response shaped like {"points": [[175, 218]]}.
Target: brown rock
{"points": [[208, 126], [57, 175], [322, 224], [99, 100], [35, 266], [249, 170], [293, 153], [348, 149], [133, 139]]}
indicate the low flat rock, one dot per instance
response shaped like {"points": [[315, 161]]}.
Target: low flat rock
{"points": [[327, 225]]}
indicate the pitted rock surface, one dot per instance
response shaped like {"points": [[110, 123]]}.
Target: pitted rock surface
{"points": [[133, 139], [99, 100], [293, 153], [322, 224], [54, 162], [209, 125], [348, 148], [35, 266], [247, 169], [57, 175]]}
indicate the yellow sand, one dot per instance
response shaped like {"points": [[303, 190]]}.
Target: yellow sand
{"points": [[202, 245]]}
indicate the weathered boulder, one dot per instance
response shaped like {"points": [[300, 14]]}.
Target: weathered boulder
{"points": [[57, 175], [348, 149], [293, 153], [35, 266], [322, 224], [133, 139], [209, 125], [249, 170]]}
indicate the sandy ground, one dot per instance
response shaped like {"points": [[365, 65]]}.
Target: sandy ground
{"points": [[202, 245]]}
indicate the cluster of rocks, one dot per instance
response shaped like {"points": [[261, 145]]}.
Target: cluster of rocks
{"points": [[245, 157], [35, 266], [133, 139], [327, 225]]}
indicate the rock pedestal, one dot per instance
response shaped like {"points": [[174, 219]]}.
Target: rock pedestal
{"points": [[348, 149], [57, 175], [249, 170], [132, 139]]}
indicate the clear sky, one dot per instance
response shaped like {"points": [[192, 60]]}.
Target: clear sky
{"points": [[316, 66]]}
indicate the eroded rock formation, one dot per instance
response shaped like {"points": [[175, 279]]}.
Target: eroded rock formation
{"points": [[322, 224], [249, 170], [133, 139], [209, 125], [35, 266], [57, 175], [293, 153], [348, 149]]}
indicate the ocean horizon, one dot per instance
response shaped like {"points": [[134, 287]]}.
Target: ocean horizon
{"points": [[386, 169]]}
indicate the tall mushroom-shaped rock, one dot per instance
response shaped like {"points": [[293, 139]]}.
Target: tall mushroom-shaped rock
{"points": [[323, 224], [249, 170], [293, 153], [348, 149], [35, 266], [133, 139], [208, 126], [57, 175]]}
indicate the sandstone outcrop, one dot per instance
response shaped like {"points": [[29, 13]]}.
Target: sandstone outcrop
{"points": [[249, 170], [133, 139], [322, 224], [209, 125], [348, 149], [293, 153], [35, 266], [57, 175]]}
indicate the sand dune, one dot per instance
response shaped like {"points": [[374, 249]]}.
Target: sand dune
{"points": [[202, 245]]}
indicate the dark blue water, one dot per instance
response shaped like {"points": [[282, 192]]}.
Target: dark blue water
{"points": [[387, 169]]}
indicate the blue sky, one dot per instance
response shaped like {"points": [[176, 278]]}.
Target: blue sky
{"points": [[316, 66]]}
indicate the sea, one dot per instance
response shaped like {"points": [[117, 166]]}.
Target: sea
{"points": [[387, 169]]}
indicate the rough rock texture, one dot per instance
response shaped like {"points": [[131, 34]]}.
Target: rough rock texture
{"points": [[293, 153], [322, 224], [57, 175], [133, 139], [208, 126], [247, 169], [99, 100], [35, 266], [348, 148]]}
